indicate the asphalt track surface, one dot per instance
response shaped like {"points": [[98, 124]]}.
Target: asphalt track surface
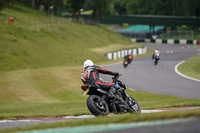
{"points": [[191, 126], [185, 125], [143, 75]]}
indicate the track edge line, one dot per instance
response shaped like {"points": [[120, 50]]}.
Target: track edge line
{"points": [[176, 70]]}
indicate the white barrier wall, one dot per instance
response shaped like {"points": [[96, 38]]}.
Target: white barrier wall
{"points": [[122, 53], [182, 41], [134, 51], [194, 41], [159, 41], [170, 41]]}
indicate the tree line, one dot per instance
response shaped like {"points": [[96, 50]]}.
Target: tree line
{"points": [[113, 7]]}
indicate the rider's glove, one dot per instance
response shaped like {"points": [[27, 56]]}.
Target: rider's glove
{"points": [[116, 74], [122, 85]]}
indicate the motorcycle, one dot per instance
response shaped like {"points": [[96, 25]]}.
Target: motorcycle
{"points": [[130, 58], [125, 63], [99, 103], [156, 59]]}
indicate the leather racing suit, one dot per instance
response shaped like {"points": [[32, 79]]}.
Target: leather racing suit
{"points": [[90, 75]]}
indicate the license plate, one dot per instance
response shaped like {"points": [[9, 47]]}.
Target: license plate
{"points": [[86, 91]]}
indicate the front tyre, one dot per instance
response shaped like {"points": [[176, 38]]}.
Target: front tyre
{"points": [[155, 62], [133, 104], [96, 107]]}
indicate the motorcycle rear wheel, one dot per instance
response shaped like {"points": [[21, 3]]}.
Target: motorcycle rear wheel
{"points": [[94, 106]]}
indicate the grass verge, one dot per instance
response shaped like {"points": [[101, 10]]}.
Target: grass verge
{"points": [[127, 118], [77, 105], [191, 67]]}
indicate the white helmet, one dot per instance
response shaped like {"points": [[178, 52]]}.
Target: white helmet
{"points": [[88, 63]]}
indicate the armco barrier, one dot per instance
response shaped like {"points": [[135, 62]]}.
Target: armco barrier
{"points": [[168, 41], [122, 53]]}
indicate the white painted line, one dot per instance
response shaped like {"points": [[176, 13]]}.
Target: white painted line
{"points": [[176, 70], [28, 120], [11, 121], [6, 121], [190, 108], [92, 116], [131, 89], [151, 111], [80, 117]]}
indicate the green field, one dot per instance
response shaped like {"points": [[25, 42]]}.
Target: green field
{"points": [[35, 40], [41, 61]]}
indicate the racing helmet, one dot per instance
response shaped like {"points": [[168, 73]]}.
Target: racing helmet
{"points": [[88, 63]]}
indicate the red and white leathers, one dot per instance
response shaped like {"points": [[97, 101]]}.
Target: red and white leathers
{"points": [[90, 75]]}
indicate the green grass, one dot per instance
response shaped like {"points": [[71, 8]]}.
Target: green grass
{"points": [[71, 102], [191, 67], [41, 62], [35, 40], [128, 118]]}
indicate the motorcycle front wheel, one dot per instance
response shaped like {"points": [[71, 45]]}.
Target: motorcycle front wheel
{"points": [[96, 107], [155, 62], [133, 104]]}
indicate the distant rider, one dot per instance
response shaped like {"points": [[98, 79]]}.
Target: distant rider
{"points": [[156, 54], [90, 75]]}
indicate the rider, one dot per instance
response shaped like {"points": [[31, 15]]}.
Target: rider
{"points": [[90, 75], [156, 53]]}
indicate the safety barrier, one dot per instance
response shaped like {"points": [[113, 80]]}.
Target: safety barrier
{"points": [[168, 41], [122, 53]]}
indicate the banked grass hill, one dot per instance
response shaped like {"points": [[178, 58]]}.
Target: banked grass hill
{"points": [[35, 40], [41, 61]]}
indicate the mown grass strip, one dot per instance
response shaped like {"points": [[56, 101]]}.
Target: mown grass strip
{"points": [[127, 118], [77, 105]]}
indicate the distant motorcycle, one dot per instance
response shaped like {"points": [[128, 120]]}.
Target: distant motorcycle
{"points": [[127, 60], [125, 63], [99, 103], [156, 59]]}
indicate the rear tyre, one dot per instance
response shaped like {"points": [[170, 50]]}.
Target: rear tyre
{"points": [[95, 107]]}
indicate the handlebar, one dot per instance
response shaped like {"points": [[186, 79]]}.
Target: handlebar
{"points": [[116, 78]]}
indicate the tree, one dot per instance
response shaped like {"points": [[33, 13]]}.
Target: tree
{"points": [[100, 8], [75, 7], [120, 6], [163, 7], [2, 4]]}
